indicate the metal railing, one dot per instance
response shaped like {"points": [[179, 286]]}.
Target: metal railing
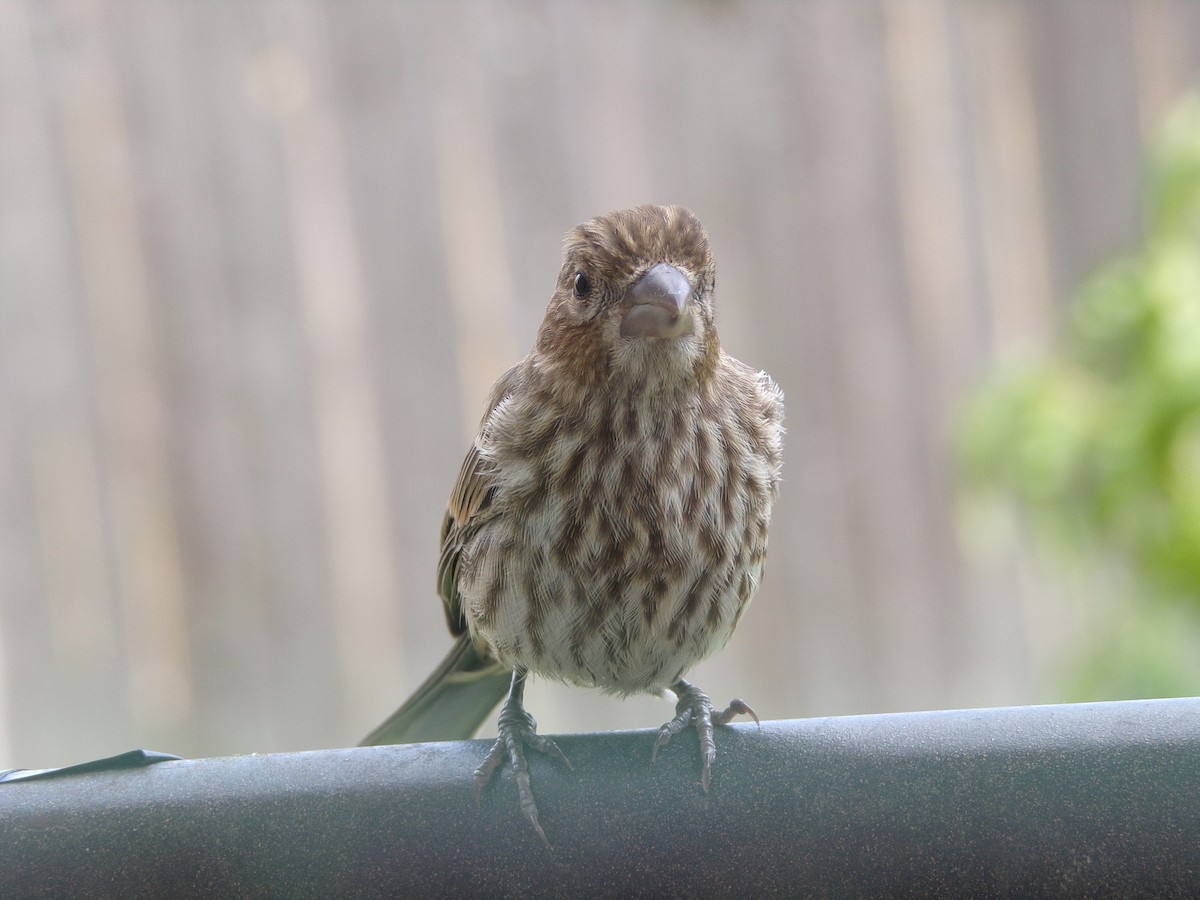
{"points": [[1082, 800]]}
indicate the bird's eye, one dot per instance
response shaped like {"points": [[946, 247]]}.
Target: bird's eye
{"points": [[583, 287]]}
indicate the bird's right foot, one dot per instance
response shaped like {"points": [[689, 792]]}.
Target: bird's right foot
{"points": [[518, 731]]}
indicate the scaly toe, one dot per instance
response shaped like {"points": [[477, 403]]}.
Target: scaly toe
{"points": [[516, 736], [667, 731], [736, 708], [694, 709]]}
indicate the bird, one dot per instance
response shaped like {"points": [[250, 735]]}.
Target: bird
{"points": [[608, 526]]}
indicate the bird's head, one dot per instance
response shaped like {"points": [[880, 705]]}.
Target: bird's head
{"points": [[634, 297]]}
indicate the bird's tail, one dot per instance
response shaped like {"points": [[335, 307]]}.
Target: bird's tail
{"points": [[451, 704]]}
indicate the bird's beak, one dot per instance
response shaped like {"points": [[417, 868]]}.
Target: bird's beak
{"points": [[658, 305]]}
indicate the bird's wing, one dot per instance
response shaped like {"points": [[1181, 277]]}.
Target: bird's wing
{"points": [[469, 507], [465, 512]]}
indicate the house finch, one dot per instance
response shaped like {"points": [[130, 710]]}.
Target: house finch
{"points": [[609, 524]]}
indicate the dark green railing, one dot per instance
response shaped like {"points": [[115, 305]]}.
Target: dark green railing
{"points": [[1088, 800]]}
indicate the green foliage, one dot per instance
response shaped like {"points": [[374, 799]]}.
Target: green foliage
{"points": [[1099, 441]]}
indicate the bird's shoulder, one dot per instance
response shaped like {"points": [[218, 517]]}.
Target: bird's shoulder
{"points": [[756, 404], [751, 387]]}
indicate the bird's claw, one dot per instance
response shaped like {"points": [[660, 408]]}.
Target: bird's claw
{"points": [[695, 709], [518, 732]]}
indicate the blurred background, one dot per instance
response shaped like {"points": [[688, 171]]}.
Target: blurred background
{"points": [[260, 262]]}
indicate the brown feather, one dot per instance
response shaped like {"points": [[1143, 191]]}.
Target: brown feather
{"points": [[609, 522]]}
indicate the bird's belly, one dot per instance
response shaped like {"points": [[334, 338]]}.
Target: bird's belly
{"points": [[626, 612]]}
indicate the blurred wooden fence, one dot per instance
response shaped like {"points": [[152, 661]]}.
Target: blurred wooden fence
{"points": [[259, 263]]}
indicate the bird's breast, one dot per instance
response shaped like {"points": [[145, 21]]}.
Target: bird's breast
{"points": [[619, 559]]}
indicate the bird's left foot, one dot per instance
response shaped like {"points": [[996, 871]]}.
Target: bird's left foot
{"points": [[695, 709]]}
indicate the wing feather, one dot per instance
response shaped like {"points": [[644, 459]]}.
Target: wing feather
{"points": [[469, 507]]}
